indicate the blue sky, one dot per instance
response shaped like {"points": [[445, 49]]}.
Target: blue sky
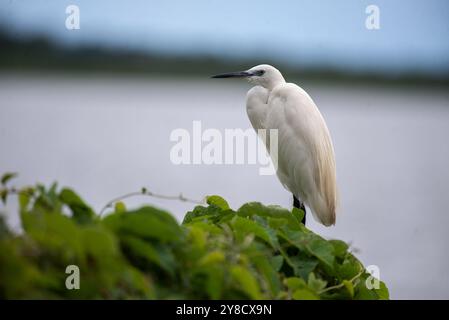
{"points": [[414, 35]]}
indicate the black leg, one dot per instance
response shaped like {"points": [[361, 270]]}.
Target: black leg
{"points": [[298, 204]]}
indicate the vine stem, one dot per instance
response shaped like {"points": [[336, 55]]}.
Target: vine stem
{"points": [[341, 285], [145, 192]]}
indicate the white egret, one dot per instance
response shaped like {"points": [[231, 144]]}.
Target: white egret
{"points": [[306, 161]]}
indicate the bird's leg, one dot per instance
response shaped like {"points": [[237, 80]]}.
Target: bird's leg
{"points": [[298, 204]]}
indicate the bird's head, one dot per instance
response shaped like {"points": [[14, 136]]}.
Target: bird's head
{"points": [[263, 75]]}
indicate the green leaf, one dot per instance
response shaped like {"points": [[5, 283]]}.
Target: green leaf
{"points": [[347, 270], [147, 223], [304, 294], [321, 249], [340, 248], [204, 226], [383, 292], [82, 213], [268, 274], [213, 257], [149, 253], [119, 207], [58, 234], [363, 293], [276, 262], [201, 213], [47, 200], [273, 211], [218, 201], [7, 177], [215, 282], [4, 231], [3, 195], [349, 287], [100, 245], [246, 282], [294, 283], [315, 283], [277, 223], [244, 226], [300, 289], [197, 237], [303, 265], [298, 214], [24, 198]]}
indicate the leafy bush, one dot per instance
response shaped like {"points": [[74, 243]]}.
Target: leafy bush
{"points": [[256, 252]]}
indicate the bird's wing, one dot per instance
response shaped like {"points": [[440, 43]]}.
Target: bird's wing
{"points": [[256, 106], [306, 158]]}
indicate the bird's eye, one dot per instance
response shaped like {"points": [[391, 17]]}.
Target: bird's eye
{"points": [[260, 72]]}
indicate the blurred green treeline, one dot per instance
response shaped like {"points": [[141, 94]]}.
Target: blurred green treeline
{"points": [[39, 54]]}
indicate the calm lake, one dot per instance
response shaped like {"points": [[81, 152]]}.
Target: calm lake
{"points": [[107, 136]]}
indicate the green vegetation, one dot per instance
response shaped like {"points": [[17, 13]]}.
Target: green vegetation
{"points": [[256, 252]]}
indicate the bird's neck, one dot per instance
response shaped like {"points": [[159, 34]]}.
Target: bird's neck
{"points": [[275, 81]]}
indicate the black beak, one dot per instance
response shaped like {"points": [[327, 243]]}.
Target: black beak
{"points": [[238, 74]]}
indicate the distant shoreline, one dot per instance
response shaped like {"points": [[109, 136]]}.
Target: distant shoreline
{"points": [[41, 55]]}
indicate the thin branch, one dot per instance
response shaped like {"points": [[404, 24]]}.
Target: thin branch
{"points": [[145, 192]]}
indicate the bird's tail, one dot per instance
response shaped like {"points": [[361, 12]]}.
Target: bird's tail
{"points": [[323, 212]]}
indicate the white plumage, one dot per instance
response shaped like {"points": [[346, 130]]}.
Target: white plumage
{"points": [[306, 161]]}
